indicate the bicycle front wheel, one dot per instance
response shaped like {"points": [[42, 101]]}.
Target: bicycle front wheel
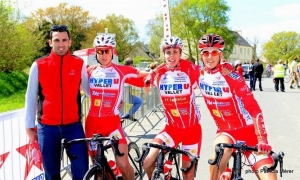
{"points": [[134, 152], [287, 78], [93, 173]]}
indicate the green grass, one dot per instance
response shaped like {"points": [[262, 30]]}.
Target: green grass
{"points": [[13, 102]]}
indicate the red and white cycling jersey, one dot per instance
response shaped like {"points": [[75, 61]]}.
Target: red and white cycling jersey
{"points": [[176, 88], [106, 88], [230, 101]]}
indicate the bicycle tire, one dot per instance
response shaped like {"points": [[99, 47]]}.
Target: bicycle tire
{"points": [[287, 78], [92, 173], [134, 152]]}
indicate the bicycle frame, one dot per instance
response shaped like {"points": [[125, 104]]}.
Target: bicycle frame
{"points": [[159, 167], [239, 147], [100, 161]]}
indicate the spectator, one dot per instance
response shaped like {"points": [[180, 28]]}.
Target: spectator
{"points": [[279, 76], [251, 74], [240, 69], [134, 100], [293, 70], [258, 70], [53, 94]]}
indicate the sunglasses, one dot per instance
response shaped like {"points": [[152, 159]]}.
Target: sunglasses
{"points": [[59, 28], [102, 51], [212, 53]]}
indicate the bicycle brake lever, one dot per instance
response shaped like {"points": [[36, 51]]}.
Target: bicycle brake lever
{"points": [[145, 151], [115, 143]]}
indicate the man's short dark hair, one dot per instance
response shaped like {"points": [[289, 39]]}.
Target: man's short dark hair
{"points": [[295, 58], [59, 28], [128, 61], [257, 60]]}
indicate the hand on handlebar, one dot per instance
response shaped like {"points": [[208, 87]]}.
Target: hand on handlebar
{"points": [[263, 147]]}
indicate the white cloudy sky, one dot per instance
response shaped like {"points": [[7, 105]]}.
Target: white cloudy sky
{"points": [[255, 18]]}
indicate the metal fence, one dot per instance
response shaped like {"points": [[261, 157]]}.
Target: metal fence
{"points": [[151, 106], [15, 157]]}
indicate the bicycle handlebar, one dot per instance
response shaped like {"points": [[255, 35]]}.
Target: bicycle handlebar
{"points": [[96, 138], [146, 148], [219, 149]]}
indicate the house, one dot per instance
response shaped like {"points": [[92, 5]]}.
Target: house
{"points": [[242, 50]]}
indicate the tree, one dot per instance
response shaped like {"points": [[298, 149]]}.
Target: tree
{"points": [[77, 20], [17, 45], [191, 19], [124, 28], [283, 45]]}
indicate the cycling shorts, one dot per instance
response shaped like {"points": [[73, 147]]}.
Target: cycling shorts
{"points": [[106, 126], [191, 138], [247, 134]]}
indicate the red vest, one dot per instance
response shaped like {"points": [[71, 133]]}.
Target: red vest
{"points": [[59, 89]]}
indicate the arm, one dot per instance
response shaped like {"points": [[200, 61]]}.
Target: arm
{"points": [[138, 82], [255, 112], [85, 80], [31, 97]]}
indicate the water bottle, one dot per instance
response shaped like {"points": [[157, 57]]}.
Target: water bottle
{"points": [[115, 169]]}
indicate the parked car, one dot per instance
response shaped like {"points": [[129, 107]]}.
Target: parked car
{"points": [[246, 71]]}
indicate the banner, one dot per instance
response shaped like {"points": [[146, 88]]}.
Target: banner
{"points": [[166, 18]]}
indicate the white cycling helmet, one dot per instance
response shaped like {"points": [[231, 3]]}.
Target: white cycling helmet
{"points": [[172, 42], [104, 40]]}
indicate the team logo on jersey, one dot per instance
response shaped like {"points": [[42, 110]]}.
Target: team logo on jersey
{"points": [[175, 112], [167, 78], [235, 76], [103, 82], [183, 111], [226, 112], [98, 73], [216, 113], [173, 88], [191, 149], [219, 104], [97, 102], [107, 103]]}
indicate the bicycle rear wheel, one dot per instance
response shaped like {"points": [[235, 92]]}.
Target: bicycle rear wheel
{"points": [[134, 152]]}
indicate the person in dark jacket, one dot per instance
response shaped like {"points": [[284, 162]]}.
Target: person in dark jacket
{"points": [[258, 69], [251, 74]]}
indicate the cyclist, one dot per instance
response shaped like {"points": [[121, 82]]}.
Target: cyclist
{"points": [[233, 107], [106, 89], [176, 79]]}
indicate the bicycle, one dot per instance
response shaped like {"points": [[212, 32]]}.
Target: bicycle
{"points": [[173, 160], [287, 78], [269, 72], [239, 147], [101, 167]]}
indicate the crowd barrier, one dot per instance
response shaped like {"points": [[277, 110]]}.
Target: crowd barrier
{"points": [[16, 158]]}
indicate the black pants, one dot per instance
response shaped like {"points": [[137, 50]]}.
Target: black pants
{"points": [[257, 77], [277, 81]]}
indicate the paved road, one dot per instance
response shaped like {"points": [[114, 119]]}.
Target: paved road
{"points": [[282, 120]]}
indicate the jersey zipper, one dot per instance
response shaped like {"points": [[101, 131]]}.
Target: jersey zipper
{"points": [[61, 90]]}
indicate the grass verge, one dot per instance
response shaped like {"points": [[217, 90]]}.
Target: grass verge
{"points": [[13, 102]]}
